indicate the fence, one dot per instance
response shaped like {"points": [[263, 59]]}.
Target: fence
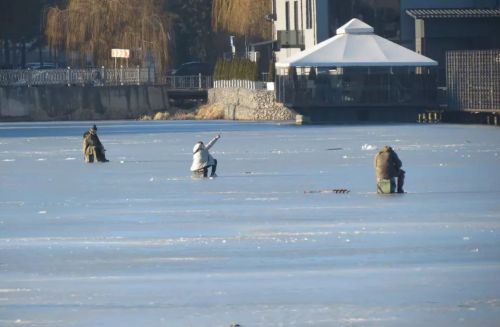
{"points": [[88, 76], [251, 85], [473, 80], [187, 82], [253, 56], [121, 76]]}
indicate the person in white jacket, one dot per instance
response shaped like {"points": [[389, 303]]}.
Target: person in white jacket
{"points": [[202, 159]]}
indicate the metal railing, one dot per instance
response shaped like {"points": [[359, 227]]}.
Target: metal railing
{"points": [[253, 56], [101, 77], [69, 76], [377, 89], [251, 85], [187, 82]]}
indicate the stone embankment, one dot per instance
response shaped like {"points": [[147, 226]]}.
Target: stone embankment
{"points": [[45, 103], [48, 103], [244, 104]]}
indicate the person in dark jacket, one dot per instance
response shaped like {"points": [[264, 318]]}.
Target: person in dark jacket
{"points": [[92, 146], [388, 166]]}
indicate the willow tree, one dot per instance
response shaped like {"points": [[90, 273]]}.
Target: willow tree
{"points": [[89, 29], [242, 17]]}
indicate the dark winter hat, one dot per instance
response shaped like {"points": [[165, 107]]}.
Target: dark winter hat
{"points": [[94, 127]]}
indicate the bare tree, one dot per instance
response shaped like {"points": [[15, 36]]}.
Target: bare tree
{"points": [[15, 32], [242, 17], [191, 21], [89, 29]]}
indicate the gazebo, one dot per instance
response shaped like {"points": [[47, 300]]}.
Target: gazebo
{"points": [[356, 69]]}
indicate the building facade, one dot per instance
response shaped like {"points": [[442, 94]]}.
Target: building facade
{"points": [[433, 28], [429, 27], [298, 25], [301, 24]]}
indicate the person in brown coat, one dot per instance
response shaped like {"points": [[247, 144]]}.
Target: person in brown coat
{"points": [[388, 166], [92, 146]]}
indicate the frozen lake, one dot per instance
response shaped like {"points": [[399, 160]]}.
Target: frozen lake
{"points": [[137, 242]]}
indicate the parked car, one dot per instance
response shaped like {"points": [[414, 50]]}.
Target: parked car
{"points": [[192, 68]]}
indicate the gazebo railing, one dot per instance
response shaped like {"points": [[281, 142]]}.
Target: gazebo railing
{"points": [[357, 90]]}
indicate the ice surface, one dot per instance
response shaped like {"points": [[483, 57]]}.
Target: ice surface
{"points": [[138, 242]]}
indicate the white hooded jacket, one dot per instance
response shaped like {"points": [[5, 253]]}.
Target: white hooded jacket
{"points": [[201, 156]]}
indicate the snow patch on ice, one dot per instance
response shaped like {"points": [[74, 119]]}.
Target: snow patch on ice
{"points": [[14, 203], [366, 320], [14, 290], [8, 160], [452, 145], [368, 147], [290, 234]]}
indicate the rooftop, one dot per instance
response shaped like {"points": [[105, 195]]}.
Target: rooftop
{"points": [[453, 13]]}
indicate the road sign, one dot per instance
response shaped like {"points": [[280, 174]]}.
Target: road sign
{"points": [[120, 53]]}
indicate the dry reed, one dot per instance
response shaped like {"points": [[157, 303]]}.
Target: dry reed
{"points": [[182, 115], [161, 116], [210, 112]]}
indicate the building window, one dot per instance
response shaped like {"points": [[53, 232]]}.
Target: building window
{"points": [[308, 14], [296, 15], [287, 15]]}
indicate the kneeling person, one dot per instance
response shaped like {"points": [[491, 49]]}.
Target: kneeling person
{"points": [[202, 159], [92, 146]]}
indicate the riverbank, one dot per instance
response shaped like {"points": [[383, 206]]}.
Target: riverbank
{"points": [[232, 104], [68, 103], [146, 102]]}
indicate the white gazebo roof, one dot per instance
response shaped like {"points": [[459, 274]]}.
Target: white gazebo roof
{"points": [[355, 45]]}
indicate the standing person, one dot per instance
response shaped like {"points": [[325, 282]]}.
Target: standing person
{"points": [[92, 146], [388, 166], [202, 159]]}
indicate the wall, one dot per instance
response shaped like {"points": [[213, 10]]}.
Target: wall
{"points": [[243, 104], [81, 102]]}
